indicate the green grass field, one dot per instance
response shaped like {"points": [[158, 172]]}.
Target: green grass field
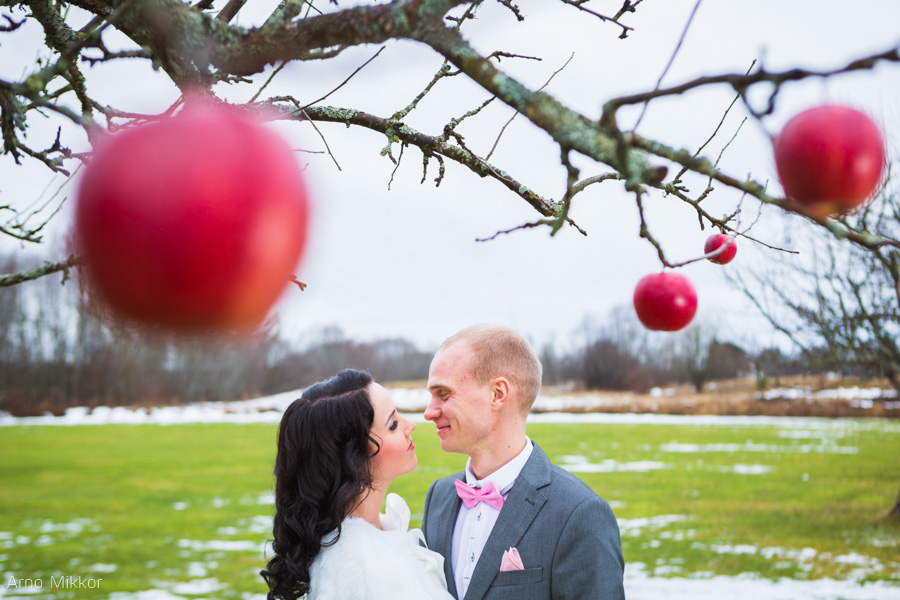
{"points": [[187, 508]]}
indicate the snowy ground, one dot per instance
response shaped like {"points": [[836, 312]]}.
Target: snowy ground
{"points": [[553, 409], [638, 586], [640, 583]]}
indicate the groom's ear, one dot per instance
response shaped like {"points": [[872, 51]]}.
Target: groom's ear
{"points": [[499, 392]]}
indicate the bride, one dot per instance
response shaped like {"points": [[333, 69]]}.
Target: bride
{"points": [[340, 445]]}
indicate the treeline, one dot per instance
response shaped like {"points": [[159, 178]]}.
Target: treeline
{"points": [[55, 352], [618, 353]]}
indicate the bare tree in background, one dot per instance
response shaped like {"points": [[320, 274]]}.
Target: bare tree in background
{"points": [[198, 45], [839, 304]]}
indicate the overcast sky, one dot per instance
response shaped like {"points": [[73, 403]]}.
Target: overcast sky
{"points": [[404, 261]]}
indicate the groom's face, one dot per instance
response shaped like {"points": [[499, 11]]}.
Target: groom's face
{"points": [[460, 406]]}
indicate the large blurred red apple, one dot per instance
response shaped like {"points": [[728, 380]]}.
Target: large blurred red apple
{"points": [[192, 223], [830, 158], [716, 241], [665, 301]]}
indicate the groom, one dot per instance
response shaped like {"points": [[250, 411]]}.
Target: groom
{"points": [[483, 381]]}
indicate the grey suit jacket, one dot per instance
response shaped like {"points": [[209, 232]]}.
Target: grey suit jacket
{"points": [[566, 535]]}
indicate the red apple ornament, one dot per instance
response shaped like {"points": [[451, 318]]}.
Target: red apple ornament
{"points": [[665, 301], [830, 158], [716, 241], [193, 223]]}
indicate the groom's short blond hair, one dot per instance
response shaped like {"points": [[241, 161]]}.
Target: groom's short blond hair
{"points": [[499, 351]]}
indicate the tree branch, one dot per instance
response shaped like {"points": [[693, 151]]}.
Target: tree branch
{"points": [[430, 145], [38, 272]]}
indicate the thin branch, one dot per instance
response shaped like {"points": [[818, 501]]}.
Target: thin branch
{"points": [[677, 178], [397, 166], [644, 230], [13, 24], [450, 128], [669, 64], [627, 6], [498, 54], [581, 185], [546, 83], [725, 147], [625, 29], [742, 82], [324, 141], [441, 73], [513, 8], [38, 272], [231, 9], [275, 72], [431, 144], [539, 223], [343, 83]]}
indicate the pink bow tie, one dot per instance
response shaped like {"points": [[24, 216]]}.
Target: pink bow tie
{"points": [[472, 496]]}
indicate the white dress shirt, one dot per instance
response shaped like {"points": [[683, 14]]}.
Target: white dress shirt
{"points": [[474, 525]]}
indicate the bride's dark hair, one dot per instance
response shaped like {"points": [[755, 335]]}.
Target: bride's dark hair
{"points": [[321, 469]]}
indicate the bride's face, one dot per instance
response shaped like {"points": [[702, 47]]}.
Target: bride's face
{"points": [[398, 453]]}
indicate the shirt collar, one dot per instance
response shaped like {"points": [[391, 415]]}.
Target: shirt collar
{"points": [[506, 475]]}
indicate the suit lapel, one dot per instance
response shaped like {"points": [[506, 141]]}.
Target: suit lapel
{"points": [[443, 516], [521, 507]]}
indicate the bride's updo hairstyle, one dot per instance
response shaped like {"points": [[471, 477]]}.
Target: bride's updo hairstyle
{"points": [[321, 470]]}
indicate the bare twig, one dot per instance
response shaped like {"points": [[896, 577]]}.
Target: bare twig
{"points": [[12, 24], [741, 82], [539, 223], [498, 54], [397, 166], [627, 6], [324, 141], [625, 29], [343, 83], [441, 73], [275, 72], [677, 178], [512, 7], [38, 272], [546, 83], [581, 185], [230, 10], [669, 64], [435, 145]]}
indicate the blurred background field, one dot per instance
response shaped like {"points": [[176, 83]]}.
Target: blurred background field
{"points": [[718, 505]]}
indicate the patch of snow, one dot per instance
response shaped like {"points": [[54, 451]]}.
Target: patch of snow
{"points": [[145, 595], [269, 409], [754, 447], [199, 586], [229, 545], [634, 527], [747, 469], [580, 464], [642, 586], [198, 569], [841, 393], [103, 568], [73, 527]]}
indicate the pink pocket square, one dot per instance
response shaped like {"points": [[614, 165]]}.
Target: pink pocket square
{"points": [[511, 561]]}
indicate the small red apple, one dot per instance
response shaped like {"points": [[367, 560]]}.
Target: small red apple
{"points": [[830, 158], [716, 241], [192, 223], [665, 301]]}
